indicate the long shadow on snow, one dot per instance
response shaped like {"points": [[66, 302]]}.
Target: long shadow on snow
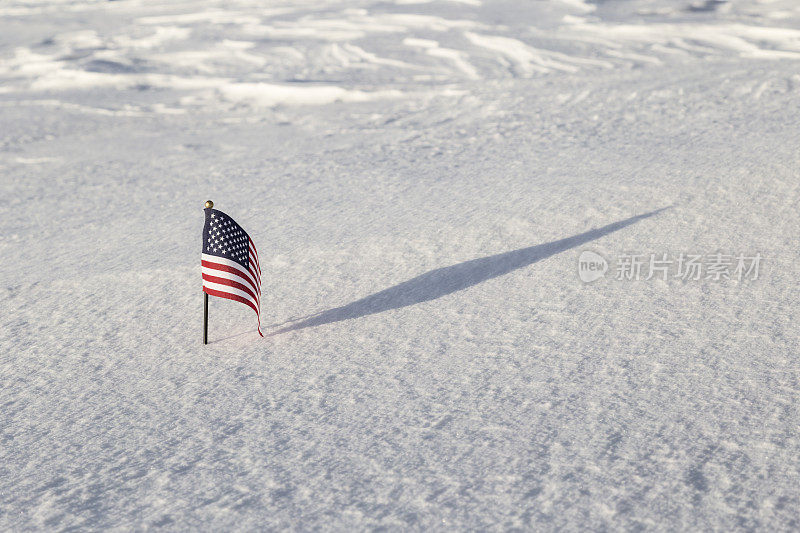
{"points": [[446, 280]]}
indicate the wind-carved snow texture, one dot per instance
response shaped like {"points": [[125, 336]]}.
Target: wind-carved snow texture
{"points": [[420, 177]]}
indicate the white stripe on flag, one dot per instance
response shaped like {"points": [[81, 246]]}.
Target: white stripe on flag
{"points": [[232, 264], [230, 290], [256, 274], [228, 275]]}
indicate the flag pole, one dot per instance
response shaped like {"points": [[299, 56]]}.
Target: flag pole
{"points": [[205, 318], [209, 205]]}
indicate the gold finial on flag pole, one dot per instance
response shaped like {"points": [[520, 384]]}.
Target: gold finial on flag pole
{"points": [[209, 204]]}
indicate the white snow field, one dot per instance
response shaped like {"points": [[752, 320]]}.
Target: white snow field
{"points": [[420, 178]]}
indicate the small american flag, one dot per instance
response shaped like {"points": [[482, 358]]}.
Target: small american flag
{"points": [[230, 262]]}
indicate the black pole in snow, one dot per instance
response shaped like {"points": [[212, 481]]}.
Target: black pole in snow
{"points": [[205, 318], [209, 205]]}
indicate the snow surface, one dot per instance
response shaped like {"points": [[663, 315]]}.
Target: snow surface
{"points": [[420, 177]]}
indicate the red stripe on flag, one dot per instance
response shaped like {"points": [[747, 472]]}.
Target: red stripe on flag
{"points": [[229, 269], [258, 278], [230, 296], [231, 283], [236, 298], [254, 261], [255, 256], [253, 249]]}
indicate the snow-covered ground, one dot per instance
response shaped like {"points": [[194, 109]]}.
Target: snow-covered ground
{"points": [[420, 177]]}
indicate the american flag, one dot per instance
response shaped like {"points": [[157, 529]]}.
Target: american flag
{"points": [[230, 262]]}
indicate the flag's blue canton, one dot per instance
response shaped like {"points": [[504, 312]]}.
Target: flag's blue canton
{"points": [[225, 238]]}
